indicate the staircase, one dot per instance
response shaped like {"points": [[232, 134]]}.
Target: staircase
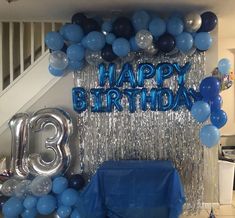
{"points": [[24, 73]]}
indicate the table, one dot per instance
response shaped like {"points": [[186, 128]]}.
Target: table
{"points": [[133, 189]]}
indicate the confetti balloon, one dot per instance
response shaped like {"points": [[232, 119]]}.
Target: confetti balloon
{"points": [[8, 187], [144, 39], [58, 60], [41, 185], [93, 57], [22, 189]]}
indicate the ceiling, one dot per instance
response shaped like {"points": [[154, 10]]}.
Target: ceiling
{"points": [[63, 9]]}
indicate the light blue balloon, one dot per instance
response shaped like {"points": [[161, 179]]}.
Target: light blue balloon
{"points": [[209, 135], [59, 184], [29, 213], [56, 72], [140, 20], [64, 211], [184, 41], [76, 65], [69, 197], [73, 33], [76, 52], [203, 41], [46, 204], [224, 66], [200, 111], [83, 42], [62, 30], [107, 26], [133, 45], [75, 214], [175, 25], [110, 38], [54, 41], [30, 202], [13, 207], [121, 47], [95, 41], [157, 27]]}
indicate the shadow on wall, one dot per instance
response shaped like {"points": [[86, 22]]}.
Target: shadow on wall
{"points": [[227, 140]]}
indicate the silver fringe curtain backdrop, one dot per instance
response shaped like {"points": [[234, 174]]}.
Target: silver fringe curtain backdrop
{"points": [[146, 135]]}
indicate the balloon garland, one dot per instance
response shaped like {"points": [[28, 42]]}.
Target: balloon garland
{"points": [[91, 41]]}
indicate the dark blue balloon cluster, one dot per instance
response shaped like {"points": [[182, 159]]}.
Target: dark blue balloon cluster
{"points": [[62, 200], [92, 40]]}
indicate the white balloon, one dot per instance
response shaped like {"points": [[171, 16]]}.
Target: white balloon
{"points": [[144, 39]]}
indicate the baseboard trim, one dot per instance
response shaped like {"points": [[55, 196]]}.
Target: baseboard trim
{"points": [[209, 205]]}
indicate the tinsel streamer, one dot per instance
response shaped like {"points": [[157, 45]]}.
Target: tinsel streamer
{"points": [[170, 135]]}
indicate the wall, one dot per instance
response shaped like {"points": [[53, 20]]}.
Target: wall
{"points": [[227, 49]]}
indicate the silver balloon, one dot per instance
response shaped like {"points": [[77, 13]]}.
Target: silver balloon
{"points": [[93, 57], [152, 50], [8, 187], [192, 22], [19, 144], [41, 185], [59, 143], [22, 188], [144, 39], [58, 60], [173, 53]]}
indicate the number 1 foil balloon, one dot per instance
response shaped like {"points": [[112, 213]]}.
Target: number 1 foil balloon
{"points": [[20, 142], [59, 143]]}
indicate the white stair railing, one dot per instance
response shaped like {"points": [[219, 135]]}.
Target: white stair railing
{"points": [[21, 44]]}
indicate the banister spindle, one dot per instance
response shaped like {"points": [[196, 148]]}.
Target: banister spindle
{"points": [[32, 41], [11, 34], [1, 62], [43, 37], [21, 47]]}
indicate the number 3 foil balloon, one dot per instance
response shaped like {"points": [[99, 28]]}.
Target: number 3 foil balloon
{"points": [[59, 143]]}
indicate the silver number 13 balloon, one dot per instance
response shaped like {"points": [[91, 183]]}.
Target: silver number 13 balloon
{"points": [[23, 163]]}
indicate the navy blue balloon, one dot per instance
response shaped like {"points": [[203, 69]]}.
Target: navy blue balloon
{"points": [[79, 18], [218, 118], [90, 25], [76, 181], [216, 103], [107, 53], [166, 43], [122, 27], [210, 87], [209, 21]]}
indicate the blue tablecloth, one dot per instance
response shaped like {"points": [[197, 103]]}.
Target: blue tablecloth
{"points": [[133, 189]]}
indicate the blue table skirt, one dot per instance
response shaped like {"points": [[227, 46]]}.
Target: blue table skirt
{"points": [[133, 189]]}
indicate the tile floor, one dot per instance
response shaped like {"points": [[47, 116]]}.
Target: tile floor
{"points": [[224, 211]]}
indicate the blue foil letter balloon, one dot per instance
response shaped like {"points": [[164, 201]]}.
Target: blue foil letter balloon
{"points": [[182, 98], [131, 96], [109, 74], [114, 97], [79, 99], [149, 98], [163, 104], [145, 71], [97, 100], [126, 76], [182, 72], [164, 71]]}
